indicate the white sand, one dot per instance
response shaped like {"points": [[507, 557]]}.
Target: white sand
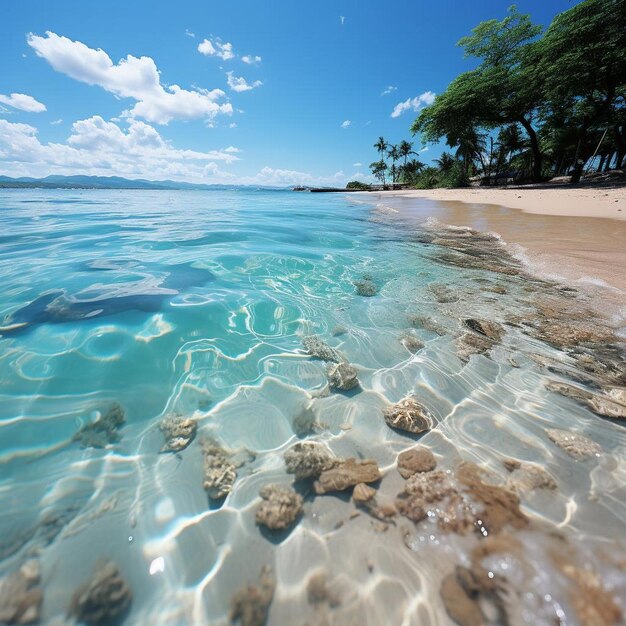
{"points": [[568, 233]]}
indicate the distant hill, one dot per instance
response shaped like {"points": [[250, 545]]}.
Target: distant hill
{"points": [[108, 182]]}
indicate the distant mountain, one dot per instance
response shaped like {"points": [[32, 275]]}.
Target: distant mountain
{"points": [[109, 182]]}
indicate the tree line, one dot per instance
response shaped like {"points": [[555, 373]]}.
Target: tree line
{"points": [[539, 104]]}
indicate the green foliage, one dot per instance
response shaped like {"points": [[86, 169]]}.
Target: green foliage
{"points": [[540, 97], [379, 169], [357, 184]]}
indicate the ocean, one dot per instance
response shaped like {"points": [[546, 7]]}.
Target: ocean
{"points": [[142, 306]]}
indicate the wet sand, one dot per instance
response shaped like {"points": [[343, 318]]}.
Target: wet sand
{"points": [[577, 235]]}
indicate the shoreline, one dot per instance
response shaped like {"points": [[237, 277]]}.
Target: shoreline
{"points": [[576, 236]]}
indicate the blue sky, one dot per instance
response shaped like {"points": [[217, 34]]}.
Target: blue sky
{"points": [[281, 92]]}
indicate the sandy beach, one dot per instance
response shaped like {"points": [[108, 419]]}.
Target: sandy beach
{"points": [[574, 234]]}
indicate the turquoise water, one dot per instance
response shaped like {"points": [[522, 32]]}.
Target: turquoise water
{"points": [[196, 303]]}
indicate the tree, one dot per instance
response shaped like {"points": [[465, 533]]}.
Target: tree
{"points": [[378, 170], [410, 170], [445, 162], [405, 149], [581, 60], [501, 90], [394, 154], [381, 145]]}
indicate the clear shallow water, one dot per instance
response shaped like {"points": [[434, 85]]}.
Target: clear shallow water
{"points": [[196, 303]]}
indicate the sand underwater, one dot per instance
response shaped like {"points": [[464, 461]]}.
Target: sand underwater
{"points": [[269, 407]]}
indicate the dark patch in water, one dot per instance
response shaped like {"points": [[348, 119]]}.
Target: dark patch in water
{"points": [[57, 307]]}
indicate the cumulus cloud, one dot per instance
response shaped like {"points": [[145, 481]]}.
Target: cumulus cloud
{"points": [[424, 99], [189, 33], [251, 59], [345, 124], [132, 77], [98, 147], [240, 84], [56, 122], [232, 125], [23, 102], [216, 48], [279, 177], [389, 89]]}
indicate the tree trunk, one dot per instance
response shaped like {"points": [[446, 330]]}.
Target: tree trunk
{"points": [[620, 142], [534, 146]]}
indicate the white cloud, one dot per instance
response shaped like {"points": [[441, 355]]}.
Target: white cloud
{"points": [[251, 59], [56, 122], [342, 19], [280, 177], [232, 125], [389, 89], [346, 124], [239, 84], [428, 97], [357, 165], [424, 149], [231, 150], [98, 147], [189, 33], [132, 77], [23, 102], [216, 48]]}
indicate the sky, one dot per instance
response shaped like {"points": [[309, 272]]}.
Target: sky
{"points": [[282, 92]]}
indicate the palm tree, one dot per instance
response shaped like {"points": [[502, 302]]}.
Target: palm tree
{"points": [[445, 162], [409, 170], [381, 145], [394, 154], [394, 172], [405, 148], [471, 146]]}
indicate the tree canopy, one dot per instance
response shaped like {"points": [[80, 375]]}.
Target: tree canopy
{"points": [[559, 87]]}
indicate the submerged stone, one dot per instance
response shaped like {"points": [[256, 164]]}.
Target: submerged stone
{"points": [[363, 493], [280, 508], [104, 599], [319, 592], [470, 343], [410, 415], [103, 431], [526, 477], [250, 605], [219, 471], [412, 343], [319, 349], [418, 459], [347, 473], [428, 323], [308, 460], [576, 445], [462, 606], [491, 330], [365, 287], [20, 595], [460, 501], [500, 506], [178, 432], [602, 405], [342, 376], [571, 333], [443, 294]]}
